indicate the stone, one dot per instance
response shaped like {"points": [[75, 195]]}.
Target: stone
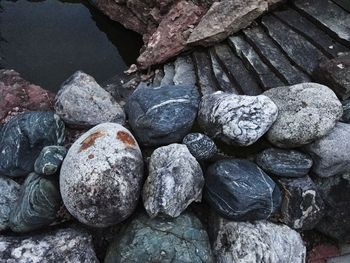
{"points": [[37, 205], [284, 163], [239, 190], [64, 245], [174, 181], [9, 193], [18, 95], [225, 18], [23, 137], [335, 192], [307, 112], [200, 146], [259, 241], [82, 102], [182, 239], [236, 119], [331, 152], [162, 115], [184, 71], [346, 111], [49, 160], [101, 176], [302, 206], [335, 74]]}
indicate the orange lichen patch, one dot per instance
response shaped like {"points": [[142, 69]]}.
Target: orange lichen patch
{"points": [[90, 141], [91, 156], [126, 138]]}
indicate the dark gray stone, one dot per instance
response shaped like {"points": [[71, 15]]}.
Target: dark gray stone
{"points": [[346, 111], [169, 73], [9, 193], [284, 163], [239, 190], [49, 160], [64, 246], [302, 206], [174, 181], [200, 146], [37, 205], [23, 137], [162, 115], [184, 71], [343, 3], [179, 240]]}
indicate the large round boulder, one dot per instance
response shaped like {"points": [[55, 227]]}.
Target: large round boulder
{"points": [[101, 176]]}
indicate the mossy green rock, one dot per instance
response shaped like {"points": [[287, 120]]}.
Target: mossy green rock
{"points": [[182, 239]]}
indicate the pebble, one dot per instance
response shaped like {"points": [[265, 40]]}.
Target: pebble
{"points": [[175, 180], [236, 119], [49, 160], [9, 193], [23, 137], [307, 112], [101, 176], [200, 146]]}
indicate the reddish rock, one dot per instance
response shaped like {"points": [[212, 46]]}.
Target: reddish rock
{"points": [[18, 95], [321, 253]]}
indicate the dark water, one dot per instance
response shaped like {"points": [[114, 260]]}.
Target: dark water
{"points": [[46, 41]]}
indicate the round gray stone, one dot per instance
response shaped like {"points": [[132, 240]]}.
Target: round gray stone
{"points": [[9, 194], [200, 146]]}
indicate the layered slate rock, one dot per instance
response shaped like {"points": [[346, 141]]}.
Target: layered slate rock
{"points": [[64, 245], [182, 239], [162, 115], [18, 95], [331, 152], [101, 176], [335, 74], [37, 205], [260, 241], [174, 181], [302, 206], [284, 163], [82, 102], [236, 119], [23, 137], [9, 193], [335, 192], [49, 160], [200, 146], [307, 112], [239, 190]]}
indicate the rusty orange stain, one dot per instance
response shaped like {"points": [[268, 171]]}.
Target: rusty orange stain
{"points": [[90, 141], [126, 138]]}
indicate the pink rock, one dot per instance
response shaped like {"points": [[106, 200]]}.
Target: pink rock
{"points": [[18, 95]]}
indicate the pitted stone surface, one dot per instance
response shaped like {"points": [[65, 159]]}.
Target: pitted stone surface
{"points": [[9, 193]]}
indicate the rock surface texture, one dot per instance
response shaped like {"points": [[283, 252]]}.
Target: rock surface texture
{"points": [[236, 119], [175, 180], [101, 176], [23, 137], [162, 115], [239, 190], [182, 239], [200, 146], [242, 242], [9, 193], [49, 160], [307, 112], [82, 102], [65, 245]]}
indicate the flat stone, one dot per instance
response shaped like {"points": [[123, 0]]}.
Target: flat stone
{"points": [[184, 71], [239, 190], [23, 137], [49, 160], [298, 49], [331, 152], [64, 245], [101, 176], [335, 73], [267, 78], [302, 206], [174, 181], [9, 193], [82, 102], [179, 240], [200, 146], [307, 112], [37, 205], [236, 119], [273, 56], [162, 115], [260, 241], [284, 163]]}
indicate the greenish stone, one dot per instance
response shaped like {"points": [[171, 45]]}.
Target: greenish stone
{"points": [[50, 159], [182, 239]]}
